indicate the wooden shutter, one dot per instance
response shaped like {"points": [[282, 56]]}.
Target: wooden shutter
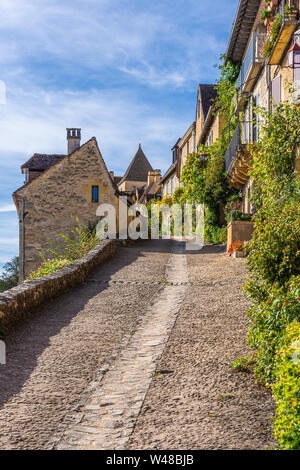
{"points": [[276, 91]]}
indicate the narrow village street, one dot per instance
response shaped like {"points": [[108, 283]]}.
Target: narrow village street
{"points": [[138, 357]]}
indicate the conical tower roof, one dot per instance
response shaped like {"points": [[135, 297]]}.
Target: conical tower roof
{"points": [[138, 168]]}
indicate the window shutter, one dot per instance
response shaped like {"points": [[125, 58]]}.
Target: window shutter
{"points": [[95, 193], [276, 91]]}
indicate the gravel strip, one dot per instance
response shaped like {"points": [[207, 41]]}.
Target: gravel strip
{"points": [[202, 403]]}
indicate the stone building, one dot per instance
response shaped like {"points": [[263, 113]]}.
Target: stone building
{"points": [[59, 189], [264, 79], [140, 182], [189, 142]]}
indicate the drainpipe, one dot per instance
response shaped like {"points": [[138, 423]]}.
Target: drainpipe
{"points": [[22, 240]]}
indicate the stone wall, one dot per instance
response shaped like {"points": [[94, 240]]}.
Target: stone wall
{"points": [[17, 303]]}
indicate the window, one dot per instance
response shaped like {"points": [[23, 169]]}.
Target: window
{"points": [[95, 193], [168, 187]]}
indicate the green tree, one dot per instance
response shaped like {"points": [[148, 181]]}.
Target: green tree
{"points": [[10, 276]]}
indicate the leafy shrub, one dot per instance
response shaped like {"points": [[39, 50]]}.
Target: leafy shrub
{"points": [[67, 250], [274, 248], [273, 309], [178, 196], [242, 364], [48, 267], [287, 390], [238, 215], [72, 247]]}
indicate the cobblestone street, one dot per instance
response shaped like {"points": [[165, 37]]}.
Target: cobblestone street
{"points": [[139, 357]]}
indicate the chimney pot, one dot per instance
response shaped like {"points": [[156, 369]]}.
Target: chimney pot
{"points": [[73, 138]]}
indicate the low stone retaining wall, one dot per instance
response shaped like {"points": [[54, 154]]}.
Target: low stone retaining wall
{"points": [[16, 303]]}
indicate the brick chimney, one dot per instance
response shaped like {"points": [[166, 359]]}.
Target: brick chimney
{"points": [[73, 138], [154, 176]]}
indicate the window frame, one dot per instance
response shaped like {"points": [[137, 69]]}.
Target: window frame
{"points": [[96, 198]]}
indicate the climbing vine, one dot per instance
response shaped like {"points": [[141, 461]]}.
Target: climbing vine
{"points": [[204, 178]]}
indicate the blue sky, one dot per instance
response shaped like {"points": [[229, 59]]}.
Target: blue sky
{"points": [[125, 71]]}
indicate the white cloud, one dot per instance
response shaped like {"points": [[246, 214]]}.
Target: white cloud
{"points": [[8, 208], [35, 121]]}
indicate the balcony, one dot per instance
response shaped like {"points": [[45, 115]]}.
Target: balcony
{"points": [[237, 155], [287, 29], [252, 64]]}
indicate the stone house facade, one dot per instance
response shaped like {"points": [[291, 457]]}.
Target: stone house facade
{"points": [[59, 189], [188, 144], [263, 81]]}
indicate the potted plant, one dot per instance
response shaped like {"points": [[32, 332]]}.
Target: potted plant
{"points": [[237, 249], [290, 12], [266, 14]]}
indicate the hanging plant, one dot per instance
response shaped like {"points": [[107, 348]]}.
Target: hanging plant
{"points": [[273, 29], [266, 14]]}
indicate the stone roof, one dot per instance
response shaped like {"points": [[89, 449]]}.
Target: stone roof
{"points": [[152, 190], [138, 168], [246, 13], [41, 161], [208, 95]]}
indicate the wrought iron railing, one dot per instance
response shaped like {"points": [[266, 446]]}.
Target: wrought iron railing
{"points": [[233, 146], [253, 55]]}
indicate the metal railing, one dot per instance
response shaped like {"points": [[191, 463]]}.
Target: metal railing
{"points": [[253, 55], [233, 146], [280, 10]]}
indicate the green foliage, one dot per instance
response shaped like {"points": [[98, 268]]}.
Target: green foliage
{"points": [[273, 160], [178, 196], [66, 250], [10, 276], [287, 390], [273, 309], [273, 29], [274, 249], [73, 247], [243, 364], [274, 256], [204, 180], [226, 91], [48, 267], [238, 215]]}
